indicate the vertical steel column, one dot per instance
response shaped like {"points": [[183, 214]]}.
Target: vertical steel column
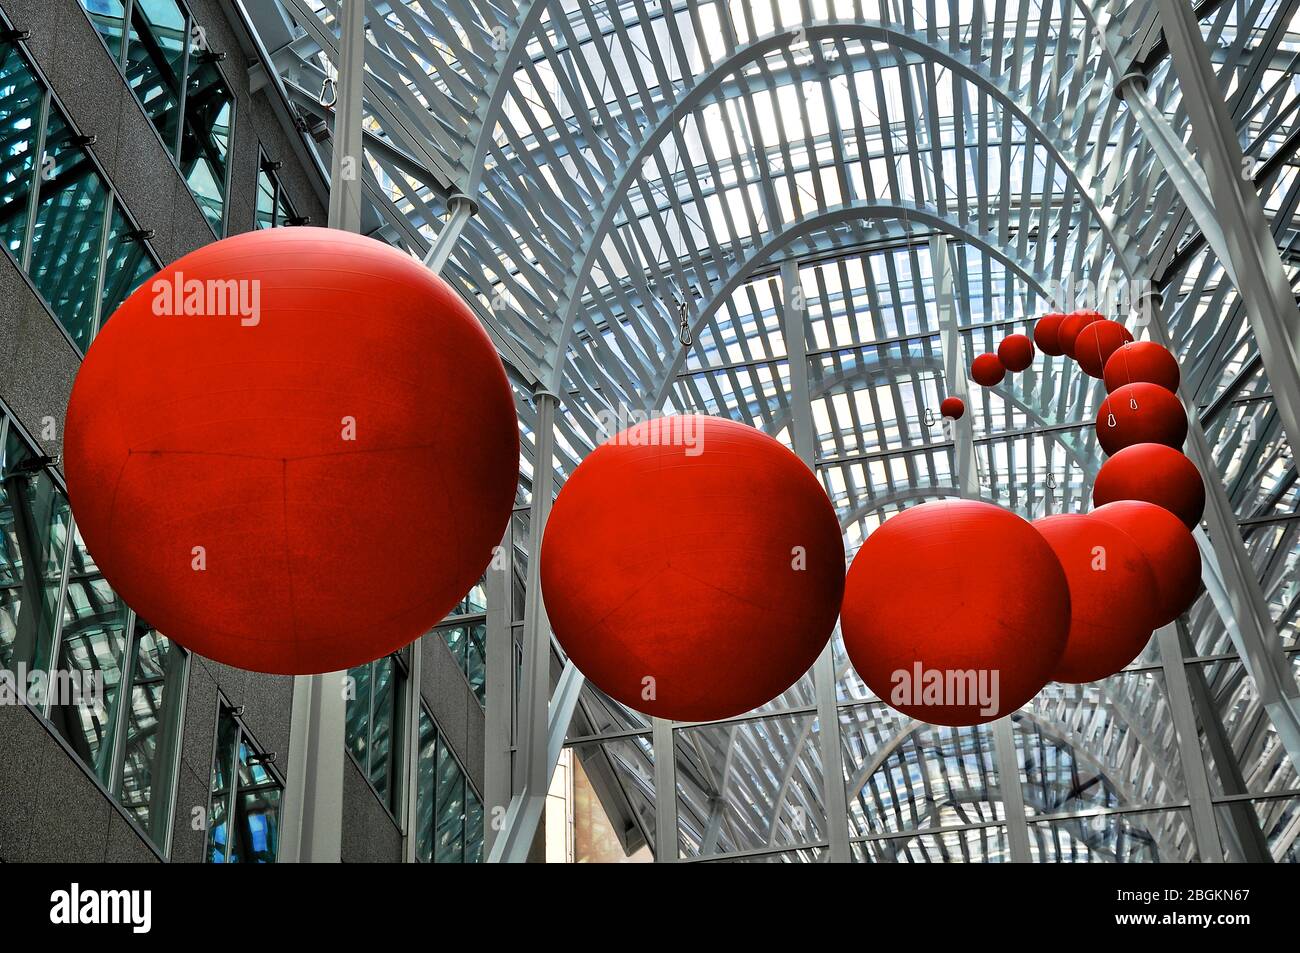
{"points": [[804, 437], [500, 688], [411, 756], [665, 773], [1205, 830], [461, 207], [346, 147], [313, 797], [967, 473], [531, 770]]}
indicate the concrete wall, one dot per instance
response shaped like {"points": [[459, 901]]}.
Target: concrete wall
{"points": [[50, 806]]}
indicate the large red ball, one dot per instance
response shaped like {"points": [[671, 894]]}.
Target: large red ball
{"points": [[986, 370], [299, 462], [1111, 608], [1141, 361], [1047, 333], [1097, 342], [1016, 352], [1156, 474], [1169, 549], [954, 587], [1140, 413], [698, 553], [952, 407], [1071, 326]]}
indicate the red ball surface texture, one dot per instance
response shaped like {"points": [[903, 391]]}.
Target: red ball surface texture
{"points": [[1096, 343], [1155, 474], [292, 451], [1047, 333], [1112, 611], [1140, 413], [1169, 548], [698, 554], [1071, 326], [952, 407], [986, 370], [1141, 361], [957, 594], [1016, 352]]}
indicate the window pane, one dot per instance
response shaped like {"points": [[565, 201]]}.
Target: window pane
{"points": [[153, 730], [91, 646], [257, 824], [476, 660], [20, 114], [222, 774], [155, 59], [382, 747], [473, 828], [69, 226], [449, 843], [265, 200], [425, 784], [34, 518], [358, 714], [206, 140], [108, 17], [127, 265]]}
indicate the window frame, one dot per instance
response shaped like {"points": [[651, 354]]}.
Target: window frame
{"points": [[173, 151], [398, 742], [113, 199], [278, 194], [224, 707]]}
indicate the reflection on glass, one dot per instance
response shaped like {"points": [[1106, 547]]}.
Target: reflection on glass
{"points": [[448, 813], [20, 117], [156, 45], [273, 207], [126, 266], [244, 827], [468, 645], [373, 729], [68, 230], [109, 18], [205, 143]]}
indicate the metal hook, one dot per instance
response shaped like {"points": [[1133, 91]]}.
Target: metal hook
{"points": [[1110, 420], [684, 329], [328, 86]]}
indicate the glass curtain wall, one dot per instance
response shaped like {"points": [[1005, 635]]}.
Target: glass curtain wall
{"points": [[247, 793]]}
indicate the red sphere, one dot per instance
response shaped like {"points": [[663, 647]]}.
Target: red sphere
{"points": [[950, 590], [1047, 333], [986, 370], [292, 451], [952, 407], [1142, 361], [1097, 342], [696, 553], [1016, 352], [1155, 474], [1168, 547], [1140, 413], [1111, 609], [1071, 326]]}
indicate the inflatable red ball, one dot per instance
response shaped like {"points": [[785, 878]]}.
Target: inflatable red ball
{"points": [[1168, 547], [986, 370], [951, 597], [1096, 343], [1153, 473], [1140, 413], [1047, 333], [1141, 361], [293, 451], [692, 568], [952, 408], [1071, 326], [1111, 585], [1016, 352]]}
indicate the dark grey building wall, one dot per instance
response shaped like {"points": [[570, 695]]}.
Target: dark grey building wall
{"points": [[50, 807]]}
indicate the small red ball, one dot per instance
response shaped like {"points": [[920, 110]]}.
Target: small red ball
{"points": [[1071, 326], [955, 587], [1140, 361], [1140, 413], [986, 370], [952, 408], [1047, 333], [1016, 352], [1169, 548], [1097, 342], [692, 568], [1155, 474], [1111, 610]]}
